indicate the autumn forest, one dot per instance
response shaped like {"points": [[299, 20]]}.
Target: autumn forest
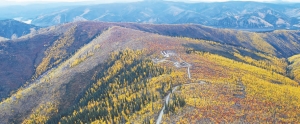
{"points": [[115, 73]]}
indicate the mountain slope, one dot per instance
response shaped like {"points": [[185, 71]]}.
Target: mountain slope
{"points": [[281, 43], [13, 29], [65, 72], [61, 42], [121, 72], [294, 67], [30, 55]]}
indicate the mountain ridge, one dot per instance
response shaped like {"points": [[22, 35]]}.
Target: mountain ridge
{"points": [[253, 16], [78, 59], [53, 37], [235, 15]]}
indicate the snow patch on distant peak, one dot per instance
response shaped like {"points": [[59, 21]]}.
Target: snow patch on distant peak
{"points": [[261, 15], [293, 12], [253, 20], [237, 17], [2, 39], [18, 18], [280, 22], [174, 10], [27, 22], [257, 20], [86, 11], [52, 14], [79, 18], [297, 25], [22, 20], [269, 12], [244, 12], [57, 19], [145, 14], [98, 18], [152, 20]]}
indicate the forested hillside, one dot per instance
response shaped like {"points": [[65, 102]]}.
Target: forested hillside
{"points": [[294, 67], [95, 72]]}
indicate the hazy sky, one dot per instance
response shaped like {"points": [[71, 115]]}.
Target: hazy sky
{"points": [[11, 2]]}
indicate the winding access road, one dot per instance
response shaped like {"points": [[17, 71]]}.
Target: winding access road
{"points": [[167, 98]]}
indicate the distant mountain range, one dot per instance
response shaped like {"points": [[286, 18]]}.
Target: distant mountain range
{"points": [[11, 29], [237, 15]]}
